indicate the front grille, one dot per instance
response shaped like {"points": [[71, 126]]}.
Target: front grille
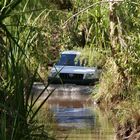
{"points": [[71, 76]]}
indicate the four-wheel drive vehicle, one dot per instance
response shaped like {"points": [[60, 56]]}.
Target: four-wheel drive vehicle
{"points": [[69, 70]]}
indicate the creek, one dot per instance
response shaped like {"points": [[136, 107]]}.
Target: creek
{"points": [[77, 116]]}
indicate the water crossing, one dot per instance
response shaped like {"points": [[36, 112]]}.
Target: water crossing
{"points": [[77, 116]]}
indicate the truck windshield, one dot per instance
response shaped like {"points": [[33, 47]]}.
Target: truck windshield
{"points": [[68, 60]]}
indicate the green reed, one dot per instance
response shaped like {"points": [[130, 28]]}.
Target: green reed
{"points": [[18, 73]]}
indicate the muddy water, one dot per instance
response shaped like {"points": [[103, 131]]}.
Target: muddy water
{"points": [[77, 116]]}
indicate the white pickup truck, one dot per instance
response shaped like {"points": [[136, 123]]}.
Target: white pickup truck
{"points": [[69, 70]]}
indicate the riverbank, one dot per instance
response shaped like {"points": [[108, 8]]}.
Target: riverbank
{"points": [[125, 118], [120, 100]]}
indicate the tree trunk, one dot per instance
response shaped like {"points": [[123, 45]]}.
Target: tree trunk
{"points": [[114, 36]]}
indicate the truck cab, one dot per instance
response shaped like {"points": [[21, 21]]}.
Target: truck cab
{"points": [[69, 69]]}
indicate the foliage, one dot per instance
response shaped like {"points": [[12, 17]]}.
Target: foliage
{"points": [[92, 56], [119, 83], [127, 48], [18, 70], [32, 33], [87, 27]]}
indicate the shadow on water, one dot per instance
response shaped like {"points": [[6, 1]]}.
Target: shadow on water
{"points": [[77, 116]]}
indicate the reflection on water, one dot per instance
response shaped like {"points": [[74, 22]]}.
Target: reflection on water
{"points": [[74, 117], [77, 116]]}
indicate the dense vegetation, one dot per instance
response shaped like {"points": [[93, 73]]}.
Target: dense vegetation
{"points": [[119, 85], [33, 32]]}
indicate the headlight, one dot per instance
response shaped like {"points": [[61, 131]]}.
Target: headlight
{"points": [[90, 76]]}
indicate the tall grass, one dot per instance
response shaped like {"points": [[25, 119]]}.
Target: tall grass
{"points": [[119, 84], [17, 74]]}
